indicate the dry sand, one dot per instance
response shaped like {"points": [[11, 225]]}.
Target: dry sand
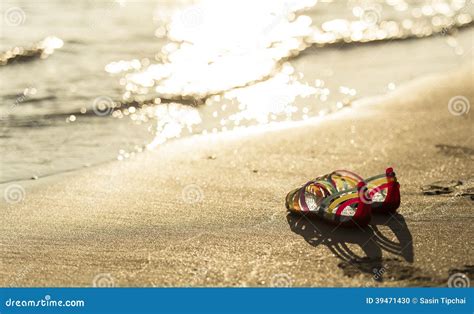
{"points": [[130, 220]]}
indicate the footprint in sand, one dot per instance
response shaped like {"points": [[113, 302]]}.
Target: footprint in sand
{"points": [[440, 187], [460, 187]]}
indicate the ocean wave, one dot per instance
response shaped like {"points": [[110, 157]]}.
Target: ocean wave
{"points": [[39, 50]]}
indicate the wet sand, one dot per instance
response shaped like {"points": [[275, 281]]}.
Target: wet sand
{"points": [[209, 211]]}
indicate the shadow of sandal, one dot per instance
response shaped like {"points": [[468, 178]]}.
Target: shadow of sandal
{"points": [[369, 242]]}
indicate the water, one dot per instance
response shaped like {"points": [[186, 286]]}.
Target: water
{"points": [[128, 76]]}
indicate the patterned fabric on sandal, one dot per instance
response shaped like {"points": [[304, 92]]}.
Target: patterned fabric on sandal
{"points": [[321, 198]]}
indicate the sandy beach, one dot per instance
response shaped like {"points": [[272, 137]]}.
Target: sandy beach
{"points": [[209, 210]]}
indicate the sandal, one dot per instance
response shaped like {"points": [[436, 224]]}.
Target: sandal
{"points": [[383, 190], [348, 207]]}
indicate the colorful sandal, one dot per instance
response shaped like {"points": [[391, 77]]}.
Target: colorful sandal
{"points": [[383, 190], [319, 197]]}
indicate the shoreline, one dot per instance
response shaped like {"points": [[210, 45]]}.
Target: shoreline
{"points": [[209, 210], [96, 144]]}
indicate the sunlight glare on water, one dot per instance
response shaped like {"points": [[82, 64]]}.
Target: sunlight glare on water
{"points": [[219, 45], [238, 49]]}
